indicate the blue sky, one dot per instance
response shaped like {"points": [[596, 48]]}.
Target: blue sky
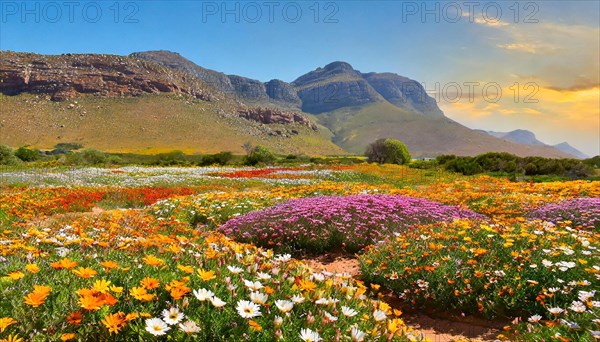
{"points": [[469, 43]]}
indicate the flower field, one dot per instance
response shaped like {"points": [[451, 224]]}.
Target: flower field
{"points": [[201, 254]]}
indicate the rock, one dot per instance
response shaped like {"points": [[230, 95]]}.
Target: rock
{"points": [[275, 116], [67, 76]]}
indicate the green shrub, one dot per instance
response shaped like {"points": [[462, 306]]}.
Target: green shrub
{"points": [[259, 154], [94, 157], [7, 156], [26, 154], [389, 151]]}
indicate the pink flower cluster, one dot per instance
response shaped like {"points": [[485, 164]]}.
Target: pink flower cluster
{"points": [[350, 223]]}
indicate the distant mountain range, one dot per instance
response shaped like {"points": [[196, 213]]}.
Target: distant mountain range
{"points": [[526, 137], [159, 100]]}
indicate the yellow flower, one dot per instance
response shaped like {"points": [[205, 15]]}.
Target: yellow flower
{"points": [[32, 268], [85, 272], [206, 275], [16, 275], [12, 338], [116, 289], [5, 322], [186, 269], [140, 293], [101, 285]]}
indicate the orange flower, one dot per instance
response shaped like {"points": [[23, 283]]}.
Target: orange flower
{"points": [[75, 318], [108, 265], [38, 296], [85, 272], [5, 322], [114, 322], [179, 292], [254, 325], [91, 303], [150, 283], [68, 337], [64, 264], [151, 260]]}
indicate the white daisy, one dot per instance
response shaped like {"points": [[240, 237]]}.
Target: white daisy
{"points": [[203, 294], [156, 326], [357, 335], [534, 318], [189, 327], [173, 316], [284, 305], [247, 309], [217, 302], [235, 269], [308, 335], [555, 311], [298, 299], [349, 312], [259, 298], [379, 315]]}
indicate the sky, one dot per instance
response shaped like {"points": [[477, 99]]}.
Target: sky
{"points": [[494, 65]]}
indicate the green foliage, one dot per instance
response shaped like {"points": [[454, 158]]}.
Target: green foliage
{"points": [[259, 154], [7, 156], [171, 158], [221, 158], [390, 151], [68, 146], [26, 154], [593, 162], [423, 164], [505, 163], [94, 157]]}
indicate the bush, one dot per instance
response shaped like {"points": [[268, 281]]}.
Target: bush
{"points": [[26, 154], [68, 146], [389, 151], [221, 158], [171, 158], [7, 157], [94, 157], [259, 154], [332, 222]]}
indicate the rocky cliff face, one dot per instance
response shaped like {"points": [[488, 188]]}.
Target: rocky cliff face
{"points": [[276, 116], [67, 76], [404, 93], [173, 60], [335, 86]]}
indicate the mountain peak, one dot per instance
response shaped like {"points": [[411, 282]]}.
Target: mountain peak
{"points": [[339, 65]]}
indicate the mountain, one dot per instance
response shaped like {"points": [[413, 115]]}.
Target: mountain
{"points": [[526, 137], [566, 148], [159, 100], [128, 104]]}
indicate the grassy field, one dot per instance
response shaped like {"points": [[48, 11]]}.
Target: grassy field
{"points": [[148, 125]]}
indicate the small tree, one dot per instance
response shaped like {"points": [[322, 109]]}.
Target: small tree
{"points": [[26, 154], [7, 157], [259, 154], [390, 151]]}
